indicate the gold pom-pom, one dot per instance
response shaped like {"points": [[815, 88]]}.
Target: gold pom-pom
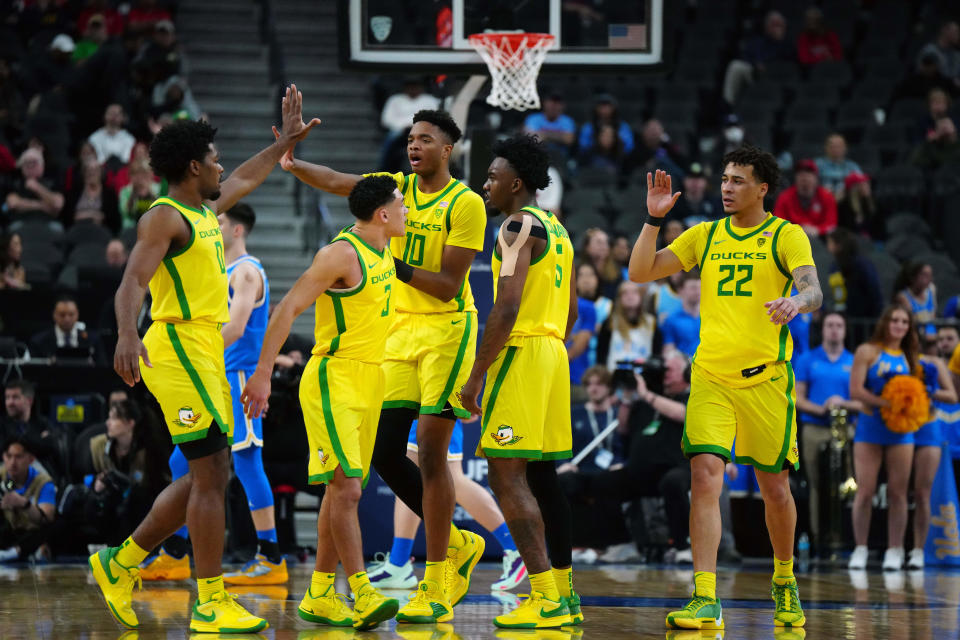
{"points": [[909, 407]]}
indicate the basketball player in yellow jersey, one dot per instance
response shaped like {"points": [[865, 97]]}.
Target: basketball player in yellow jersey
{"points": [[526, 401], [742, 384], [353, 282], [179, 255], [430, 349]]}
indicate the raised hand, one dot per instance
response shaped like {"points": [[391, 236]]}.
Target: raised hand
{"points": [[293, 129], [286, 160], [659, 198]]}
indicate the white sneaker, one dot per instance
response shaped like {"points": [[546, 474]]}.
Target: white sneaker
{"points": [[514, 571], [387, 575], [858, 559], [586, 556], [684, 556], [893, 559], [617, 553], [915, 559]]}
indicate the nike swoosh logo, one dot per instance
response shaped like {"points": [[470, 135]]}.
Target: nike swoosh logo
{"points": [[465, 567], [552, 614], [775, 379], [371, 266], [106, 570], [719, 241], [456, 321], [200, 616]]}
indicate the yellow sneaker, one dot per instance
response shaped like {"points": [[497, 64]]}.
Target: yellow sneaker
{"points": [[259, 571], [427, 604], [163, 566], [329, 608], [536, 612], [223, 614], [116, 584], [371, 607], [459, 566], [576, 613], [786, 596], [700, 613]]}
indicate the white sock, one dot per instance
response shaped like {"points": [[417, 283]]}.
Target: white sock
{"points": [[9, 554]]}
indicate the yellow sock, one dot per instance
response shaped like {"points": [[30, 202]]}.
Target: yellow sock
{"points": [[783, 568], [358, 582], [456, 538], [564, 580], [434, 572], [130, 554], [208, 587], [545, 584], [705, 584], [321, 583]]}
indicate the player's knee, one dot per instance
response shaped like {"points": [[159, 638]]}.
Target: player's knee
{"points": [[778, 494], [706, 475], [433, 459], [345, 492]]}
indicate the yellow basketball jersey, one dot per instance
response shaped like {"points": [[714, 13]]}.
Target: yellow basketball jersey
{"points": [[453, 216], [740, 270], [191, 283], [545, 303], [353, 323]]}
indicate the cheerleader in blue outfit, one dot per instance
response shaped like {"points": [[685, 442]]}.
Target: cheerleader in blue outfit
{"points": [[893, 350], [926, 453]]}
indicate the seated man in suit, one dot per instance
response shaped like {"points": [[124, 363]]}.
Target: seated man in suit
{"points": [[67, 332]]}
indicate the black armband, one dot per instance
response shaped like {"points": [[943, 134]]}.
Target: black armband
{"points": [[652, 221], [404, 271], [536, 232]]}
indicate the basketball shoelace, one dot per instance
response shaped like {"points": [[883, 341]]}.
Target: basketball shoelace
{"points": [[786, 597], [697, 603]]}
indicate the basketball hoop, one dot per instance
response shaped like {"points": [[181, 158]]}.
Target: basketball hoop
{"points": [[514, 60]]}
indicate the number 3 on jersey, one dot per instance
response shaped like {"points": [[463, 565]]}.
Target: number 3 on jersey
{"points": [[731, 270], [386, 309]]}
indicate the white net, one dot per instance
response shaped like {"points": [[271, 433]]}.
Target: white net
{"points": [[514, 61]]}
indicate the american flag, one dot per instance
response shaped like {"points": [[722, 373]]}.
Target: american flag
{"points": [[627, 36], [767, 233]]}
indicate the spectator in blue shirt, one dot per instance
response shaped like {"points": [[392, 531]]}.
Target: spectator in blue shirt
{"points": [[823, 384], [28, 505], [681, 329], [578, 346], [552, 125], [605, 113], [948, 337], [834, 166]]}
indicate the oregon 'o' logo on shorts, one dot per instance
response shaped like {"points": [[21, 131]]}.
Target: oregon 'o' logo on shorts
{"points": [[504, 436], [323, 456], [187, 417]]}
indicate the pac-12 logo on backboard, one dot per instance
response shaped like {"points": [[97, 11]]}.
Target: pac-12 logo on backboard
{"points": [[381, 26]]}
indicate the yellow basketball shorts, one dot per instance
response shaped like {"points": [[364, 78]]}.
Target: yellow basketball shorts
{"points": [[526, 402], [428, 359], [757, 423], [188, 378], [341, 402]]}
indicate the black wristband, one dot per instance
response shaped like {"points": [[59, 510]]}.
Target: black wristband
{"points": [[404, 271], [653, 222]]}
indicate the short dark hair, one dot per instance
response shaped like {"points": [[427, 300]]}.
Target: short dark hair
{"points": [[834, 313], [528, 157], [177, 144], [128, 410], [764, 164], [26, 387], [64, 297], [242, 214], [440, 119], [22, 440], [370, 194]]}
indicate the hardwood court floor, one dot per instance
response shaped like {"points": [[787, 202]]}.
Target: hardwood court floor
{"points": [[61, 602]]}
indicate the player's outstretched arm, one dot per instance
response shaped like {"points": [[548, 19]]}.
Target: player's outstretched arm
{"points": [[336, 261], [155, 232], [443, 284], [646, 263], [317, 175], [251, 174], [503, 315]]}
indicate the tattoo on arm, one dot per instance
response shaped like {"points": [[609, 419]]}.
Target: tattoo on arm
{"points": [[809, 296]]}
